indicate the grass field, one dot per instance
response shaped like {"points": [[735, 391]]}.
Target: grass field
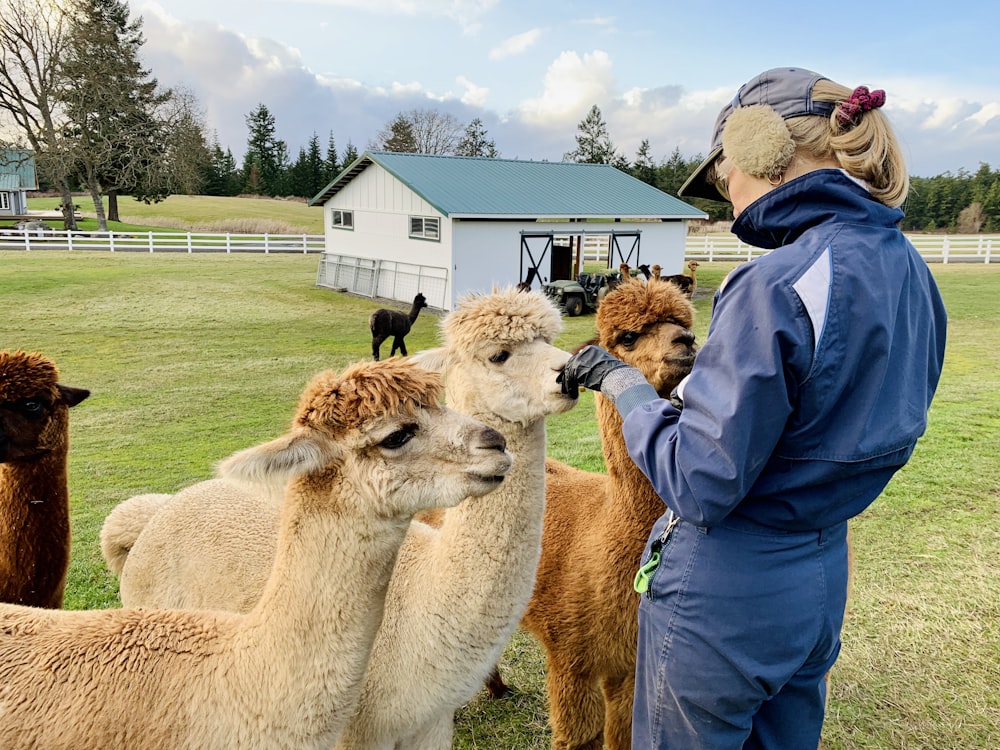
{"points": [[191, 357], [200, 213]]}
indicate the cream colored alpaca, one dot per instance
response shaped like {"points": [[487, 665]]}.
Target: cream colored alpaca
{"points": [[365, 452], [458, 591], [584, 609]]}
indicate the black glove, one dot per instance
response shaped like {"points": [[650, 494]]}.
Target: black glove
{"points": [[587, 368]]}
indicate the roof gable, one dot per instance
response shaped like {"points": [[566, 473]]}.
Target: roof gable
{"points": [[467, 186]]}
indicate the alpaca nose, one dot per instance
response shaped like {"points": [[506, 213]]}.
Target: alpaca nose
{"points": [[685, 337], [492, 440]]}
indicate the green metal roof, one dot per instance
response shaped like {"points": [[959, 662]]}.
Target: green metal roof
{"points": [[460, 186], [20, 164], [10, 182]]}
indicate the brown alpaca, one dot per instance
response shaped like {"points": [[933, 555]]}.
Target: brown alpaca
{"points": [[584, 610], [686, 284], [385, 323], [34, 498]]}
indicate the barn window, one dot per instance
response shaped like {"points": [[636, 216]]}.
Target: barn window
{"points": [[426, 227], [4, 201], [343, 219]]}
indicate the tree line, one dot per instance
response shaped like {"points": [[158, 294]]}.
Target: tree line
{"points": [[98, 122]]}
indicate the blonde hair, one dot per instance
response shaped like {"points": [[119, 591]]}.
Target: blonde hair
{"points": [[865, 148]]}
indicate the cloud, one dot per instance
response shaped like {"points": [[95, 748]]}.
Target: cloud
{"points": [[474, 96], [572, 85], [515, 45]]}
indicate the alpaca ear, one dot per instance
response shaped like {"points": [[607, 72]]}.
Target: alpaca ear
{"points": [[277, 461], [435, 360], [72, 396]]}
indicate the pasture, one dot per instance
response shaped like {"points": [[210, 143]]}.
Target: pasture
{"points": [[192, 357]]}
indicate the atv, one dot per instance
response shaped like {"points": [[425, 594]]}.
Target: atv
{"points": [[582, 295]]}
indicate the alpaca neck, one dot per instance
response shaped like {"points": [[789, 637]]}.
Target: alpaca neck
{"points": [[487, 542], [635, 500], [325, 597], [34, 529]]}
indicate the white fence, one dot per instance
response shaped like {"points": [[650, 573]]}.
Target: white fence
{"points": [[160, 242], [935, 248]]}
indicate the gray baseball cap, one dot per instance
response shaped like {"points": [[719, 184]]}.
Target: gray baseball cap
{"points": [[788, 91]]}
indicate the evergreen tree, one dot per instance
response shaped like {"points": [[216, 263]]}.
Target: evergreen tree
{"points": [[112, 104], [350, 155], [331, 166], [593, 144], [643, 168], [476, 143], [262, 159], [398, 136]]}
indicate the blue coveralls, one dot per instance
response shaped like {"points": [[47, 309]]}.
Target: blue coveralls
{"points": [[810, 391]]}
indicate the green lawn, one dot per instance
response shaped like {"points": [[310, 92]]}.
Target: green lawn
{"points": [[191, 357]]}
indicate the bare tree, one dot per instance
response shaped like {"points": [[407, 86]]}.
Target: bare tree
{"points": [[33, 40]]}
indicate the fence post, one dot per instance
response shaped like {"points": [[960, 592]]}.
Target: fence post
{"points": [[266, 245], [944, 250], [190, 249], [111, 241], [27, 240], [69, 240], [150, 240]]}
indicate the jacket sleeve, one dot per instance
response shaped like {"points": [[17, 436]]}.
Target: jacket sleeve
{"points": [[704, 459]]}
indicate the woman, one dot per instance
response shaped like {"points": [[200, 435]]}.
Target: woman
{"points": [[810, 391]]}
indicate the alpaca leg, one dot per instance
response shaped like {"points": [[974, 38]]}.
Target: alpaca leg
{"points": [[576, 711], [434, 735], [397, 343], [402, 346], [618, 694], [495, 685], [376, 345]]}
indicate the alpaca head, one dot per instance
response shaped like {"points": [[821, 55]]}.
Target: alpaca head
{"points": [[34, 406], [649, 327], [419, 302], [379, 429], [498, 358]]}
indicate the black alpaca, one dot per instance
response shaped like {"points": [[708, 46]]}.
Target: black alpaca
{"points": [[385, 323]]}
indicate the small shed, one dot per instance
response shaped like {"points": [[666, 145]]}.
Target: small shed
{"points": [[397, 224], [17, 177]]}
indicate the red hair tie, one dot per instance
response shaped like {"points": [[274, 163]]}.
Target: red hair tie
{"points": [[861, 100]]}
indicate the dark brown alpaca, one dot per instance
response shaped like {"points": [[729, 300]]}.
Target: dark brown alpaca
{"points": [[385, 323], [34, 499]]}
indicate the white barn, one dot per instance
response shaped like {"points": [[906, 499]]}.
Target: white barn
{"points": [[398, 224]]}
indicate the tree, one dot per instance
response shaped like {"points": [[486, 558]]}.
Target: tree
{"points": [[220, 175], [331, 166], [264, 155], [33, 39], [420, 131], [475, 142], [397, 136], [593, 144], [643, 168], [119, 142], [350, 155], [187, 149]]}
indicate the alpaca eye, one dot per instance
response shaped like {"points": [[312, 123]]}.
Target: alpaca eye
{"points": [[500, 357], [628, 339], [399, 438], [31, 408]]}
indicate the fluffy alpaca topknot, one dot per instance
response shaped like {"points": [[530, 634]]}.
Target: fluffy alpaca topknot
{"points": [[758, 142], [507, 315], [336, 402], [633, 305], [24, 374]]}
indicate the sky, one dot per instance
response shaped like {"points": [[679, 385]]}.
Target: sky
{"points": [[530, 71]]}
